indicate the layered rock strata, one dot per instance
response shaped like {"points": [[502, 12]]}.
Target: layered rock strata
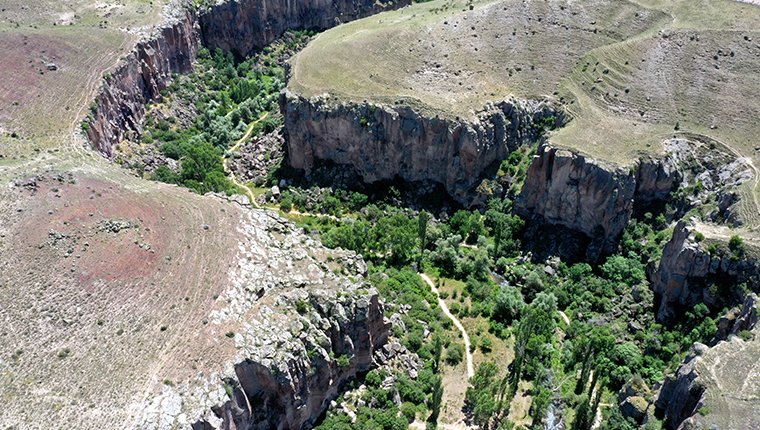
{"points": [[390, 142], [242, 27], [238, 26], [120, 106]]}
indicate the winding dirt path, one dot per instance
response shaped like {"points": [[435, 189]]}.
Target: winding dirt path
{"points": [[230, 173], [457, 324]]}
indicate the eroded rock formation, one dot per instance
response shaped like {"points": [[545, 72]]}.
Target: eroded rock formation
{"points": [[688, 274], [120, 106], [240, 26], [388, 142], [567, 189], [290, 389], [714, 387], [682, 394], [303, 331]]}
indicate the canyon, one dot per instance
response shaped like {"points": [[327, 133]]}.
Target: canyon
{"points": [[256, 361]]}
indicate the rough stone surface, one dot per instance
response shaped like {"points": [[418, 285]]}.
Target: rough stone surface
{"points": [[682, 394], [687, 270], [389, 142], [738, 319], [148, 69], [634, 407], [244, 26], [714, 388], [567, 189], [297, 321]]}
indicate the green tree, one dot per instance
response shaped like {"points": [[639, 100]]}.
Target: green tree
{"points": [[422, 224], [397, 235], [508, 304]]}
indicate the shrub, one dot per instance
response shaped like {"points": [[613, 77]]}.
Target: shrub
{"points": [[486, 345], [736, 244], [454, 354], [409, 411], [343, 361], [302, 307]]}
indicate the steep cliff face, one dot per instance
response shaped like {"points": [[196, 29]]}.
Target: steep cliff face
{"points": [[293, 393], [688, 274], [383, 142], [296, 322], [120, 106], [682, 394], [567, 189], [242, 27], [722, 379], [238, 26]]}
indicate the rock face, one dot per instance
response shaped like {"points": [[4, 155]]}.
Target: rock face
{"points": [[723, 379], [120, 106], [682, 394], [301, 331], [590, 198], [293, 393], [567, 189], [385, 143], [688, 274], [738, 319], [240, 26]]}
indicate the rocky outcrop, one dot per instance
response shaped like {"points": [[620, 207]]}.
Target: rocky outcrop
{"points": [[242, 27], [303, 322], [291, 393], [389, 142], [593, 201], [714, 387], [586, 196], [738, 319], [148, 69], [655, 178], [682, 394], [688, 274]]}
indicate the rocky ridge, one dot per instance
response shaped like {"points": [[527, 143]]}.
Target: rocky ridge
{"points": [[304, 331], [598, 199], [388, 142], [714, 387], [688, 270]]}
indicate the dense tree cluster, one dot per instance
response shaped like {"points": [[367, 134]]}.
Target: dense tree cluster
{"points": [[228, 96]]}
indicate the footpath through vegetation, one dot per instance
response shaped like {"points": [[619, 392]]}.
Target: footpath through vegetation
{"points": [[457, 324], [579, 333]]}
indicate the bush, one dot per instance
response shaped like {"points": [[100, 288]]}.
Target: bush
{"points": [[454, 354], [409, 411], [508, 304], [486, 345], [736, 244], [343, 361]]}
